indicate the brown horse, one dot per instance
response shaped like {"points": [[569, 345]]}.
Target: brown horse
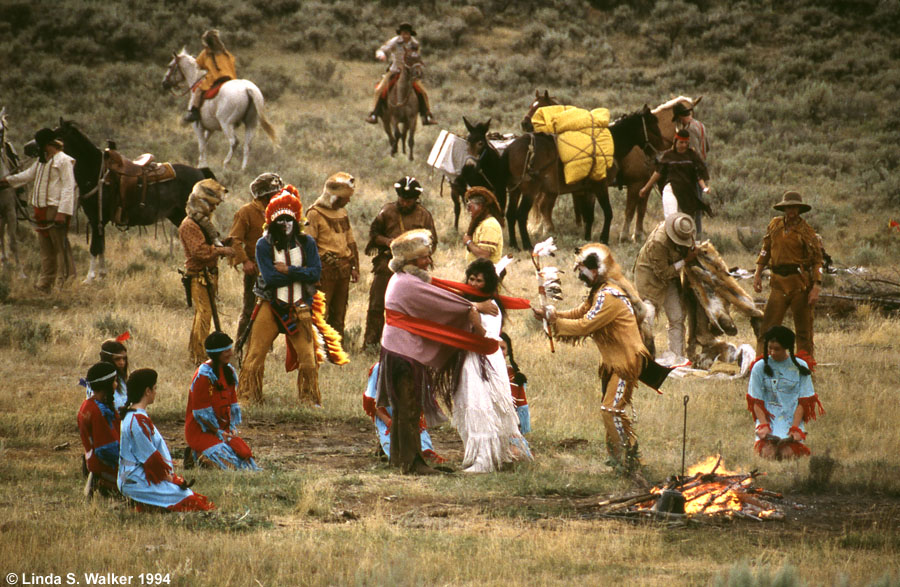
{"points": [[538, 179], [402, 107], [635, 168]]}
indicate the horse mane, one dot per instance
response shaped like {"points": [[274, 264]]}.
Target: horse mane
{"points": [[622, 117], [671, 104], [71, 124]]}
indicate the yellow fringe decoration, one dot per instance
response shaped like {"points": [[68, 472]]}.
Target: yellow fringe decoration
{"points": [[333, 351]]}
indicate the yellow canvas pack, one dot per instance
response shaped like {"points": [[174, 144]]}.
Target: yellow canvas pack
{"points": [[584, 142]]}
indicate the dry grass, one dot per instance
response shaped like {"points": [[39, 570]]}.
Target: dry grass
{"points": [[338, 516]]}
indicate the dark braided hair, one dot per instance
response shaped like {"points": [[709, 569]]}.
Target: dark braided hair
{"points": [[519, 378], [217, 340], [102, 389], [138, 383], [785, 337]]}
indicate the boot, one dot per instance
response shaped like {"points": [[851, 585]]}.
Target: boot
{"points": [[193, 115], [427, 118]]}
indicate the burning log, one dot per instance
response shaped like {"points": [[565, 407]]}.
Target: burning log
{"points": [[708, 491]]}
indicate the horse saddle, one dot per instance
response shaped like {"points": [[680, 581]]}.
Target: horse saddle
{"points": [[217, 85], [133, 177]]}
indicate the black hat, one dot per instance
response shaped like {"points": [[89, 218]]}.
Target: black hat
{"points": [[681, 110], [45, 137], [405, 26], [408, 187]]}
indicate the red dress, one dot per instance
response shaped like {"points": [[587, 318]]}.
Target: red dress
{"points": [[98, 426], [209, 407]]}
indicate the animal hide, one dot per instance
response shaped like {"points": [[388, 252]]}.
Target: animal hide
{"points": [[716, 291]]}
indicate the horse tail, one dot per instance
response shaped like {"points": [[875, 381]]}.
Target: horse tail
{"points": [[256, 96]]}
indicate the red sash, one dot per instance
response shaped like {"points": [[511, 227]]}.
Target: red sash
{"points": [[509, 303], [441, 333]]}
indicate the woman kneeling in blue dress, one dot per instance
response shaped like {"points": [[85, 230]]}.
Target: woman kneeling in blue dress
{"points": [[145, 465], [781, 398]]}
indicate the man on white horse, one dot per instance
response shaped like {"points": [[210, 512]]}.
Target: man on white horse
{"points": [[398, 48], [219, 66]]}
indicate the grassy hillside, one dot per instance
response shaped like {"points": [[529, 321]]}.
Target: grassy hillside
{"points": [[797, 96]]}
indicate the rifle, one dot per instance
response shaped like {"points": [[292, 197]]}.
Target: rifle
{"points": [[210, 291]]}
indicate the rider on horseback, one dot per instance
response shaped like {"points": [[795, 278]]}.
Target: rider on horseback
{"points": [[219, 66], [398, 48]]}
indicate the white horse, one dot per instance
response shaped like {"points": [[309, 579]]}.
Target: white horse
{"points": [[9, 163], [238, 101]]}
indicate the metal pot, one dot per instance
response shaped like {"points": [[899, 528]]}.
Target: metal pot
{"points": [[671, 501]]}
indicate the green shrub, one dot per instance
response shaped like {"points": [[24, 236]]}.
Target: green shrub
{"points": [[111, 325], [25, 333]]}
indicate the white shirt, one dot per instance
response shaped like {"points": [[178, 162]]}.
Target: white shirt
{"points": [[54, 183], [397, 49]]}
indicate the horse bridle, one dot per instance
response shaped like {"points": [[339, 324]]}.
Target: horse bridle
{"points": [[177, 67], [647, 144]]}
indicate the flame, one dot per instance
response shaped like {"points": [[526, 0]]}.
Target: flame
{"points": [[712, 489]]}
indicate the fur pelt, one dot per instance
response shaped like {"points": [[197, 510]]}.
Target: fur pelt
{"points": [[206, 195], [717, 291], [339, 185]]}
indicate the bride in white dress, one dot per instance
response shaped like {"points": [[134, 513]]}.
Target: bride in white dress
{"points": [[484, 411]]}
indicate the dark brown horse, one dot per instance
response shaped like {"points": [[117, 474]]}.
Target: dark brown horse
{"points": [[636, 167], [535, 168], [402, 108]]}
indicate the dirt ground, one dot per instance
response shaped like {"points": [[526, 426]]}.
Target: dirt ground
{"points": [[349, 447]]}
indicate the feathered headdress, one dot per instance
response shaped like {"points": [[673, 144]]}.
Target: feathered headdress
{"points": [[286, 203]]}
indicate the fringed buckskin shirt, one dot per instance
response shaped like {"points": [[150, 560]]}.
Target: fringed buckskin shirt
{"points": [[654, 267], [390, 224], [607, 317], [331, 229], [246, 230]]}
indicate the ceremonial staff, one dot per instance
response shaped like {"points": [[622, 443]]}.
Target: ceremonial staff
{"points": [[549, 286]]}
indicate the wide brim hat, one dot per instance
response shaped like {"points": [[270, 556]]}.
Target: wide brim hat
{"points": [[792, 199], [680, 229], [405, 26], [46, 136]]}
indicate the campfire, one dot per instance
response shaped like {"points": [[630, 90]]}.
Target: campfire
{"points": [[708, 490]]}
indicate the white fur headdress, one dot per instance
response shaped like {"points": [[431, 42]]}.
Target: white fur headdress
{"points": [[595, 256], [408, 247]]}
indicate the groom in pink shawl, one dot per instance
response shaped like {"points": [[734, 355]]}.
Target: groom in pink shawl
{"points": [[425, 329]]}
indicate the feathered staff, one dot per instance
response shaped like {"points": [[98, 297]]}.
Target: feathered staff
{"points": [[549, 285]]}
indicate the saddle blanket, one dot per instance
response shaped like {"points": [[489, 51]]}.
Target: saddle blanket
{"points": [[583, 140], [450, 151]]}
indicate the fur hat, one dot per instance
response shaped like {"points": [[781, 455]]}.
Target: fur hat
{"points": [[408, 247], [285, 203], [792, 199], [211, 40], [206, 193], [680, 228], [408, 187], [339, 185], [405, 26], [266, 184]]}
